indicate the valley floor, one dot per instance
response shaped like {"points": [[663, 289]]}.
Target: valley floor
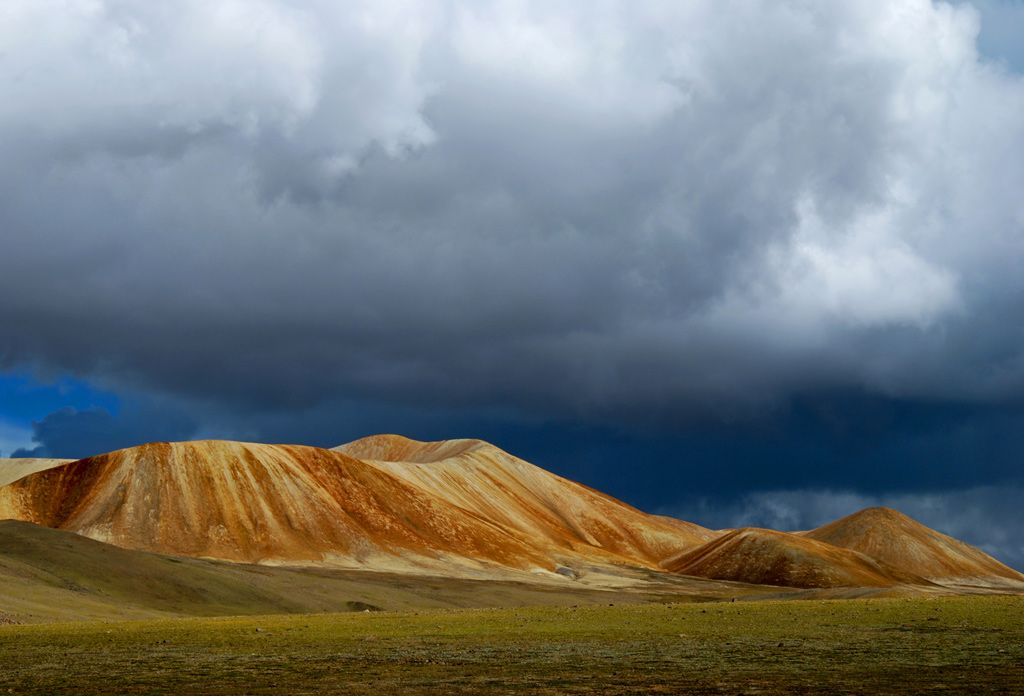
{"points": [[880, 646]]}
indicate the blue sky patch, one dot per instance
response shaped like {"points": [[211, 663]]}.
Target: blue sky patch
{"points": [[25, 398]]}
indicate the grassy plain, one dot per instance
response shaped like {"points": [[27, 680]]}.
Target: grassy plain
{"points": [[879, 646]]}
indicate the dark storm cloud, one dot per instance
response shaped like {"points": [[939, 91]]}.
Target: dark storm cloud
{"points": [[691, 219]]}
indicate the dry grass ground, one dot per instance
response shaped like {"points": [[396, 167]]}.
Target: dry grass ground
{"points": [[957, 645]]}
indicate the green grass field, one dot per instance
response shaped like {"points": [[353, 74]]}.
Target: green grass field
{"points": [[882, 646]]}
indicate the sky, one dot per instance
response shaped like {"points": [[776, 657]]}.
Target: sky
{"points": [[745, 262]]}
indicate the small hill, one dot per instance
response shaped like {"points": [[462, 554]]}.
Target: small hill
{"points": [[893, 537], [559, 515], [766, 557]]}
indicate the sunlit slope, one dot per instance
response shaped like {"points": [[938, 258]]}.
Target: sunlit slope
{"points": [[900, 541], [558, 514], [253, 503], [766, 557], [13, 469]]}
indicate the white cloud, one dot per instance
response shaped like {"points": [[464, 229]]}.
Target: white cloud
{"points": [[861, 277], [72, 68]]}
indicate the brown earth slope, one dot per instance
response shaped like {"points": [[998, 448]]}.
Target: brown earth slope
{"points": [[898, 540], [260, 503], [766, 557], [559, 514]]}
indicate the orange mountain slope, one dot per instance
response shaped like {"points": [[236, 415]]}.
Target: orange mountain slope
{"points": [[557, 513], [252, 503], [765, 557], [893, 537]]}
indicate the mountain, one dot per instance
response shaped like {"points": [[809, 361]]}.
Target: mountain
{"points": [[893, 537], [559, 514], [455, 509], [766, 557], [260, 503], [475, 510]]}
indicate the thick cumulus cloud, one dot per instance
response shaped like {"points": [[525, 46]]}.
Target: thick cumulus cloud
{"points": [[632, 212]]}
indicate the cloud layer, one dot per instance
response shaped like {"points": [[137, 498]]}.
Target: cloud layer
{"points": [[277, 220]]}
